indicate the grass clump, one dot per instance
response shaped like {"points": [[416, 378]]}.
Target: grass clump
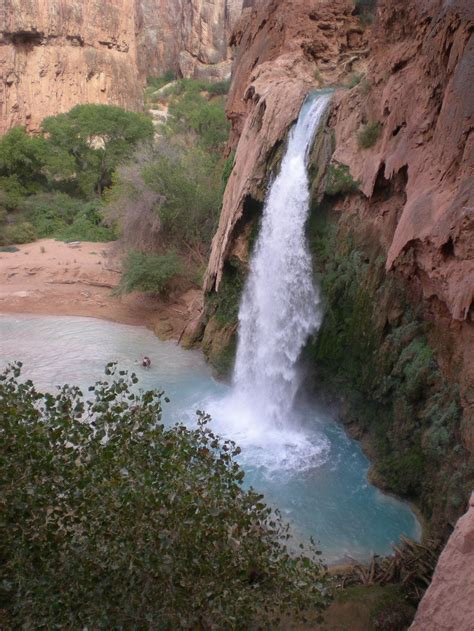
{"points": [[369, 135], [23, 232], [149, 273], [340, 180], [354, 79], [112, 520]]}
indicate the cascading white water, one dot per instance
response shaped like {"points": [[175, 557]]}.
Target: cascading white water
{"points": [[280, 304], [279, 310]]}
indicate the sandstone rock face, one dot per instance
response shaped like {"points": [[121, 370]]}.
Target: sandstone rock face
{"points": [[419, 88], [57, 53], [284, 49], [190, 37], [448, 604]]}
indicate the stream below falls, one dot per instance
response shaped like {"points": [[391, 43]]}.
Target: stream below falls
{"points": [[310, 469]]}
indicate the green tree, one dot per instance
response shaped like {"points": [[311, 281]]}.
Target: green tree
{"points": [[89, 142], [187, 180], [111, 520], [22, 164]]}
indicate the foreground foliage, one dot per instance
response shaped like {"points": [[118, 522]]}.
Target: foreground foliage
{"points": [[110, 520]]}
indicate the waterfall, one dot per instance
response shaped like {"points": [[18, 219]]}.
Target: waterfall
{"points": [[278, 311], [280, 303]]}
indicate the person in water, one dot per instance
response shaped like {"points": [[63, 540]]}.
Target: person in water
{"points": [[146, 362]]}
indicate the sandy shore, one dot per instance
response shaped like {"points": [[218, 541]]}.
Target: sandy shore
{"points": [[55, 278]]}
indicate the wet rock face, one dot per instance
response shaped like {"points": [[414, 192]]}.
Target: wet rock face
{"points": [[418, 89], [189, 37], [448, 604], [283, 50], [57, 53]]}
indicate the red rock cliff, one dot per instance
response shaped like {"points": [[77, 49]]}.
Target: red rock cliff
{"points": [[448, 604], [284, 49], [189, 37], [419, 89], [56, 53]]}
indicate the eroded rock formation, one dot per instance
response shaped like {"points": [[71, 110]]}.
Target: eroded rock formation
{"points": [[189, 37], [283, 50], [56, 53], [448, 604], [419, 89]]}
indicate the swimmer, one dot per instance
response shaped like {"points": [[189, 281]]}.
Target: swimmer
{"points": [[146, 362]]}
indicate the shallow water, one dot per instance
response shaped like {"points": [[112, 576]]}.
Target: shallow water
{"points": [[312, 470]]}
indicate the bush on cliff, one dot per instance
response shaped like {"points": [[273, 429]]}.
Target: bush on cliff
{"points": [[110, 520], [369, 135]]}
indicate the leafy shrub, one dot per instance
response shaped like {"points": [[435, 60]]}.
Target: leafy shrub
{"points": [[110, 520], [187, 180], [405, 471], [133, 206], [219, 88], [50, 213], [22, 232], [23, 159], [191, 112], [149, 273], [340, 181], [63, 217], [12, 192], [168, 196], [369, 134], [158, 82], [87, 226]]}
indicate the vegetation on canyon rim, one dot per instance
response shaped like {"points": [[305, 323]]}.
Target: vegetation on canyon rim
{"points": [[110, 519]]}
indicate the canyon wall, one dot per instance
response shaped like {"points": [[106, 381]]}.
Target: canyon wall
{"points": [[394, 248], [57, 53], [418, 90], [448, 604], [191, 38]]}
